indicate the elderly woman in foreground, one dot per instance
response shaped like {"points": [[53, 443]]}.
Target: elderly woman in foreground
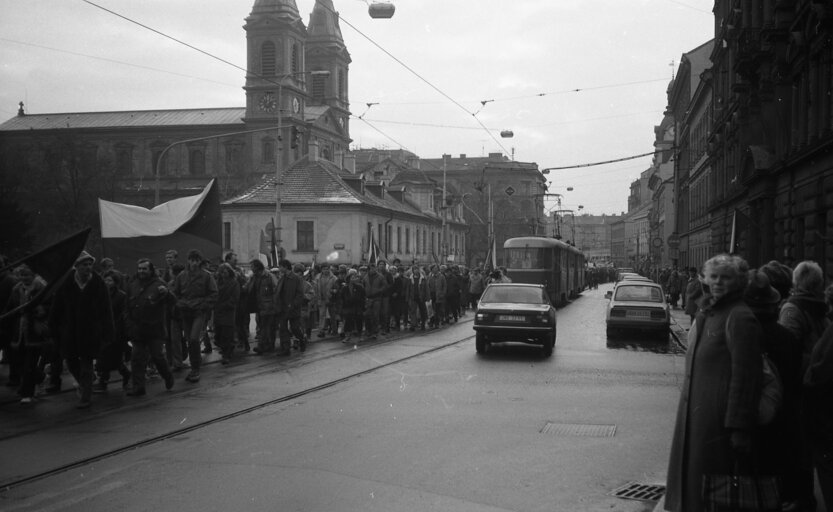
{"points": [[718, 409]]}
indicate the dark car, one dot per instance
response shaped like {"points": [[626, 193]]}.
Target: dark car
{"points": [[515, 312]]}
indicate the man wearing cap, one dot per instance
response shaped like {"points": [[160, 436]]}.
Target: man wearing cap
{"points": [[196, 292], [82, 321], [261, 290], [375, 286]]}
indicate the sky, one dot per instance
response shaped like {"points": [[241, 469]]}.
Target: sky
{"points": [[576, 81]]}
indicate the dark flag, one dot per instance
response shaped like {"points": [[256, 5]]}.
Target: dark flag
{"points": [[52, 263], [372, 251]]}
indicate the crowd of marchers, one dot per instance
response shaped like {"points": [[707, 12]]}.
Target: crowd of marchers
{"points": [[149, 321], [731, 423]]}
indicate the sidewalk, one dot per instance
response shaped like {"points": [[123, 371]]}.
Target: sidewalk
{"points": [[680, 324]]}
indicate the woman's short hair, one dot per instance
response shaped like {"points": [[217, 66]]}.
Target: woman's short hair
{"points": [[256, 265], [738, 265], [808, 278]]}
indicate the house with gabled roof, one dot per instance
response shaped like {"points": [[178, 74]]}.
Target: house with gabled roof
{"points": [[332, 213]]}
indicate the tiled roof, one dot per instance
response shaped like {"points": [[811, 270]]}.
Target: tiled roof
{"points": [[128, 119], [316, 183]]}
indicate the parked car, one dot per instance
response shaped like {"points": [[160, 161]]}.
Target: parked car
{"points": [[637, 305], [515, 312]]}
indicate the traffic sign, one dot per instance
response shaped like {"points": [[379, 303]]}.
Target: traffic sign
{"points": [[673, 240], [509, 191]]}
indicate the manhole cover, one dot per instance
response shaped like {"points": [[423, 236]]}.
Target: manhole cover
{"points": [[641, 492], [575, 429]]}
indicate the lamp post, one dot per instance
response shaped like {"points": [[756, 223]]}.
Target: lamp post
{"points": [[276, 228]]}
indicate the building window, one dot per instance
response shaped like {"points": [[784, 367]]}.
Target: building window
{"points": [[318, 88], [124, 160], [267, 58], [295, 58], [380, 236], [407, 240], [388, 239], [196, 161], [424, 241], [433, 242], [369, 235], [268, 155], [340, 84], [306, 235], [234, 158], [226, 236]]}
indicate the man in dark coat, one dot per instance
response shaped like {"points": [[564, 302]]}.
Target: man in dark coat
{"points": [[147, 299], [289, 298], [82, 321]]}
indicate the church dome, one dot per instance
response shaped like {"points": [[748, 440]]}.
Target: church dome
{"points": [[275, 7]]}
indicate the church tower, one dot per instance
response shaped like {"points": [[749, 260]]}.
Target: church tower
{"points": [[275, 80], [326, 51]]}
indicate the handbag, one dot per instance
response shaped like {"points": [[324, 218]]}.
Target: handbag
{"points": [[740, 493]]}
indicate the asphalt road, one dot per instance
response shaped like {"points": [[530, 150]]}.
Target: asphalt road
{"points": [[415, 423]]}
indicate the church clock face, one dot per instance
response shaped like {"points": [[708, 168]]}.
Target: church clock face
{"points": [[268, 103]]}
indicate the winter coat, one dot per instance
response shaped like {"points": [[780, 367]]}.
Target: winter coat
{"points": [[416, 289], [28, 328], [693, 294], [195, 290], [720, 393], [289, 295], [82, 319], [805, 317], [323, 287], [818, 387], [397, 291], [145, 311], [261, 291], [352, 298], [228, 297], [452, 286], [375, 285], [476, 285], [118, 301], [437, 287]]}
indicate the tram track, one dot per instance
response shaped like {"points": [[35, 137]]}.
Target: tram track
{"points": [[202, 424]]}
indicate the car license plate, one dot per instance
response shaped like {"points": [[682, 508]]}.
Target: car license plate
{"points": [[511, 318], [638, 314]]}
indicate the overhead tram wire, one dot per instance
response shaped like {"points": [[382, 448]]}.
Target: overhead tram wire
{"points": [[633, 157], [114, 61]]}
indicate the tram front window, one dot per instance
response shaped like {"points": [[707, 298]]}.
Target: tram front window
{"points": [[525, 257]]}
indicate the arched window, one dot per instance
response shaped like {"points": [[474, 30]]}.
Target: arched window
{"points": [[268, 155], [318, 88], [340, 84], [124, 159], [196, 161], [295, 58], [267, 58], [325, 154]]}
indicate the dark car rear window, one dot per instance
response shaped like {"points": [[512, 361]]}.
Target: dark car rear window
{"points": [[638, 293], [519, 294]]}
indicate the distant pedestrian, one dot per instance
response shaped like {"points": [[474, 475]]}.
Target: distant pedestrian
{"points": [[112, 356], [28, 332], [289, 300], [225, 311], [693, 292], [261, 292]]}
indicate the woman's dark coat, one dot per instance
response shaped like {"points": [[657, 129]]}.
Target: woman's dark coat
{"points": [[720, 393]]}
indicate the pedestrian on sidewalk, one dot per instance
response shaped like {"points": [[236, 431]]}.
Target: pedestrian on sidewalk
{"points": [[289, 299], [694, 291], [29, 333], [717, 416], [147, 300]]}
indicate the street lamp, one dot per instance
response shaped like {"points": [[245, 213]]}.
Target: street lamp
{"points": [[276, 228]]}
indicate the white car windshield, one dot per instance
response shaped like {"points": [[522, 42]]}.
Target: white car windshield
{"points": [[516, 294], [638, 294]]}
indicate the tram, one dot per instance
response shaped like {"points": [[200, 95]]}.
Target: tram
{"points": [[557, 265]]}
